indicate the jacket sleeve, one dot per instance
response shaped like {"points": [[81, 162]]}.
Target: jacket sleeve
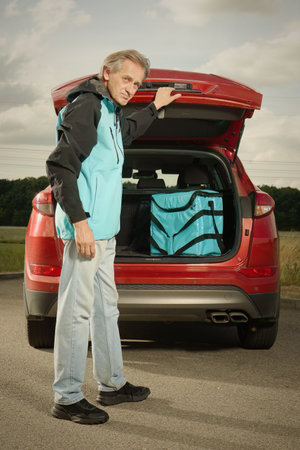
{"points": [[77, 135], [137, 123]]}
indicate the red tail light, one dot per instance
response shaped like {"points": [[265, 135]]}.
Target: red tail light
{"points": [[48, 271], [43, 203], [257, 272], [264, 204]]}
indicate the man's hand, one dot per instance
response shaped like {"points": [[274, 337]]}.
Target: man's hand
{"points": [[163, 97], [84, 239]]}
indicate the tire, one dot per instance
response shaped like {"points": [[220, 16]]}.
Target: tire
{"points": [[258, 336], [41, 332]]}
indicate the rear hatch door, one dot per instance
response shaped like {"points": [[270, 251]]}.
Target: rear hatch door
{"points": [[210, 113]]}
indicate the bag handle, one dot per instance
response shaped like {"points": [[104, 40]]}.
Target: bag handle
{"points": [[189, 203]]}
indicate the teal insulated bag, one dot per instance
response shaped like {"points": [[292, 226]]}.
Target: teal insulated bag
{"points": [[188, 223]]}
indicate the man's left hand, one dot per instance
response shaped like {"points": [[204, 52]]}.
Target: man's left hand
{"points": [[163, 97]]}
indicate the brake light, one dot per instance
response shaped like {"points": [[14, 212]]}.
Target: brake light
{"points": [[257, 272], [43, 203], [264, 204], [48, 271]]}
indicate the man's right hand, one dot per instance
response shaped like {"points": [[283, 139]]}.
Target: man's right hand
{"points": [[84, 239]]}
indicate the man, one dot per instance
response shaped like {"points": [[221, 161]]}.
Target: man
{"points": [[85, 172]]}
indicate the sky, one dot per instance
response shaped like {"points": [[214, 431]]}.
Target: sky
{"points": [[45, 43]]}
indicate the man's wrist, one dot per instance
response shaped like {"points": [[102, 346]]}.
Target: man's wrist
{"points": [[80, 223], [157, 106]]}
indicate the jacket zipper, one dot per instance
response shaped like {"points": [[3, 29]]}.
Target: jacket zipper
{"points": [[118, 128], [116, 150]]}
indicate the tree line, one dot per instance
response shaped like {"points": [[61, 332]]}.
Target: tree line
{"points": [[16, 202], [16, 199]]}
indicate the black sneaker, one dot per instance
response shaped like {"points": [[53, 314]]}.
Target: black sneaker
{"points": [[128, 393], [80, 412]]}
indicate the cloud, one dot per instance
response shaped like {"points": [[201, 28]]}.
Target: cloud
{"points": [[268, 134], [9, 69], [188, 12], [49, 15], [28, 124], [26, 111], [12, 9], [43, 19], [274, 61], [13, 94], [81, 18], [273, 139], [199, 12], [152, 14]]}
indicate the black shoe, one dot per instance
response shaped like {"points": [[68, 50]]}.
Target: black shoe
{"points": [[80, 412], [128, 393]]}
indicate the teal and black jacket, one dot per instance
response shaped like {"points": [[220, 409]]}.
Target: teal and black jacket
{"points": [[85, 168]]}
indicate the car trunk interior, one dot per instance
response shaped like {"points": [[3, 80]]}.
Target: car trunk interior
{"points": [[148, 171]]}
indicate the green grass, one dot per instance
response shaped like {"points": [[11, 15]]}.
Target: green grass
{"points": [[12, 257], [290, 258], [12, 235], [12, 240]]}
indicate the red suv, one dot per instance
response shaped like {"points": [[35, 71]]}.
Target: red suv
{"points": [[190, 153]]}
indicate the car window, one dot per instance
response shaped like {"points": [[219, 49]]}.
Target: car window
{"points": [[157, 169], [169, 180]]}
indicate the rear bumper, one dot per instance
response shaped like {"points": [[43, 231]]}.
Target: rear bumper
{"points": [[170, 303], [191, 303], [39, 304]]}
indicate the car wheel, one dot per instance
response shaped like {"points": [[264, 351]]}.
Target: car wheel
{"points": [[41, 332], [258, 336]]}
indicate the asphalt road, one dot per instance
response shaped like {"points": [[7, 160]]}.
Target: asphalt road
{"points": [[207, 393]]}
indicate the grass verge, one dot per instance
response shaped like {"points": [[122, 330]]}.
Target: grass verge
{"points": [[9, 235], [290, 258], [12, 240], [12, 257]]}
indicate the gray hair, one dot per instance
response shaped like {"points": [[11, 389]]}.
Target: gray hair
{"points": [[115, 61]]}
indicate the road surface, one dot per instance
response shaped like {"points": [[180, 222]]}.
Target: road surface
{"points": [[207, 393]]}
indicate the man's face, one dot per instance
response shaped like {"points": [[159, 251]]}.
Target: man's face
{"points": [[122, 85]]}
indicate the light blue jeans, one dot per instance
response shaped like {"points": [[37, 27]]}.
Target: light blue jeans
{"points": [[87, 304]]}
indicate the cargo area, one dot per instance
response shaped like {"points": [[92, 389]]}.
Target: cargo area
{"points": [[148, 172]]}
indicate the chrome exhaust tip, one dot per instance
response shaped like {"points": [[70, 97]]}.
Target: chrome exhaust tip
{"points": [[238, 317], [219, 317]]}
